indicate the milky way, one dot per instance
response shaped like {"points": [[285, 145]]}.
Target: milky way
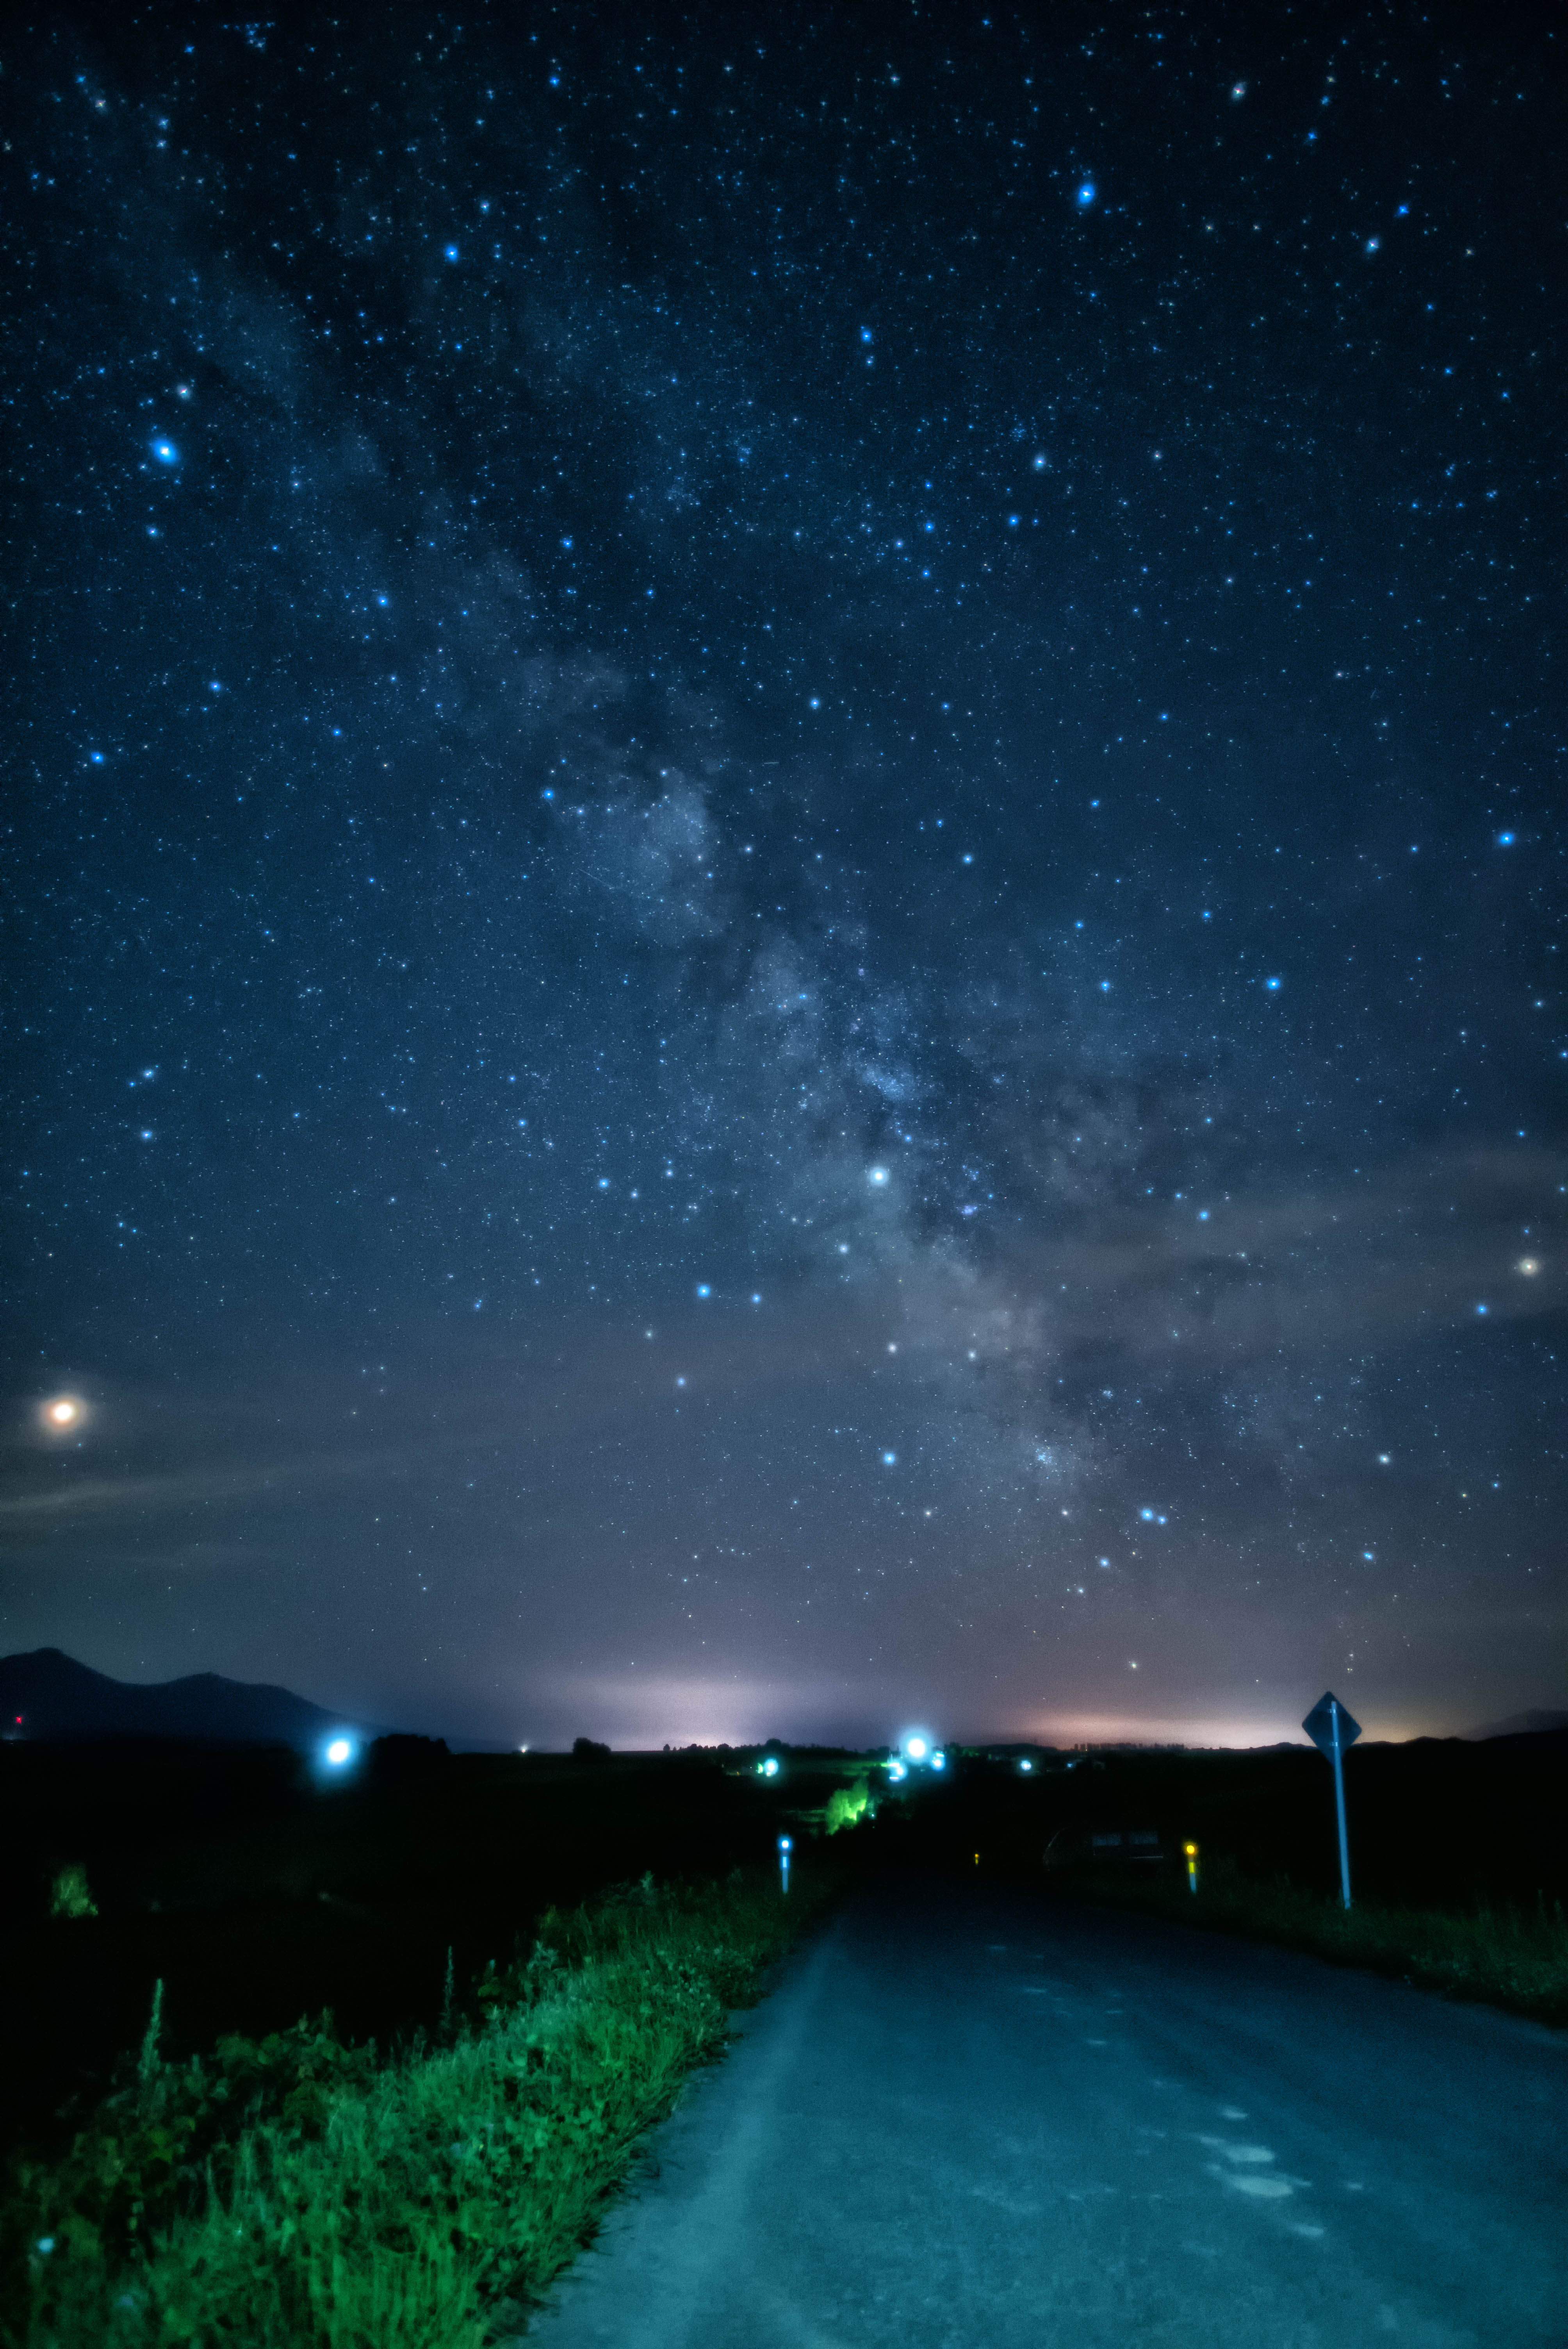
{"points": [[785, 865]]}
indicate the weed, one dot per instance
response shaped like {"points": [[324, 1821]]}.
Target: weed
{"points": [[1506, 1957], [297, 2194], [69, 1895]]}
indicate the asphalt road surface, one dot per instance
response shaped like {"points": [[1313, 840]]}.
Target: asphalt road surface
{"points": [[976, 2118]]}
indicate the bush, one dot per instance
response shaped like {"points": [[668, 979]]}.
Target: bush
{"points": [[69, 1895], [847, 1806]]}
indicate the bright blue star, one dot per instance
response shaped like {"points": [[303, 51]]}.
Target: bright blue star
{"points": [[1273, 985], [1505, 839], [166, 452], [889, 1459], [452, 252], [703, 1288], [1086, 194]]}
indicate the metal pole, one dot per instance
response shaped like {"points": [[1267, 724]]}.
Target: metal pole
{"points": [[1339, 1761]]}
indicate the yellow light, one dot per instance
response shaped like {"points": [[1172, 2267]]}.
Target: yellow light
{"points": [[1190, 1849], [62, 1412]]}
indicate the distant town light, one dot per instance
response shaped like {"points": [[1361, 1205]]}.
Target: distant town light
{"points": [[339, 1752]]}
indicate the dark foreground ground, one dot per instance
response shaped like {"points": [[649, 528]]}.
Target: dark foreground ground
{"points": [[258, 1891], [977, 2116]]}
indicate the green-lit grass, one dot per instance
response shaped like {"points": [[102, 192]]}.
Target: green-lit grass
{"points": [[1503, 1957], [299, 2195]]}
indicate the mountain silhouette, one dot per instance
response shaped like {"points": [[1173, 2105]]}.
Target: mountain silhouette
{"points": [[48, 1696], [1523, 1725]]}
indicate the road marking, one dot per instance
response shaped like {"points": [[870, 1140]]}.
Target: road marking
{"points": [[1248, 2171], [1233, 2152]]}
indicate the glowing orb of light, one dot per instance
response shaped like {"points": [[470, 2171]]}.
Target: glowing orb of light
{"points": [[916, 1748], [877, 1176], [62, 1412], [339, 1752], [1530, 1266]]}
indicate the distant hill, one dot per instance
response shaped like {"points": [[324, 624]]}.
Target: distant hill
{"points": [[1522, 1724], [59, 1700]]}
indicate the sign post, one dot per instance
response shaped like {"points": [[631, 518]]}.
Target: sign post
{"points": [[1334, 1732]]}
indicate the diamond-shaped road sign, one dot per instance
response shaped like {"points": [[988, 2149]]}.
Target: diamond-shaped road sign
{"points": [[1330, 1727]]}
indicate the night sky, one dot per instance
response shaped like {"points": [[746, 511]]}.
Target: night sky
{"points": [[784, 867]]}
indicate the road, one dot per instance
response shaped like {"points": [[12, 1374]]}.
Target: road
{"points": [[973, 2116]]}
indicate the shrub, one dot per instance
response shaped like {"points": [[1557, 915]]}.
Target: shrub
{"points": [[847, 1806], [69, 1895]]}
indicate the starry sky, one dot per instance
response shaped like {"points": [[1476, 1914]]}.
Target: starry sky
{"points": [[784, 867]]}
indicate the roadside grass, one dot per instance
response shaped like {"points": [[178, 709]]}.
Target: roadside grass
{"points": [[1505, 1957], [294, 2193]]}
